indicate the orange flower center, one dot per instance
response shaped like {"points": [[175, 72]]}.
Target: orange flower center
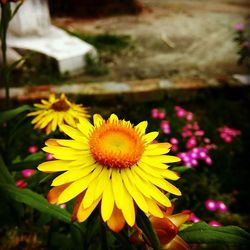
{"points": [[60, 105], [116, 145]]}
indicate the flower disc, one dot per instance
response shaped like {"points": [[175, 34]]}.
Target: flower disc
{"points": [[116, 145]]}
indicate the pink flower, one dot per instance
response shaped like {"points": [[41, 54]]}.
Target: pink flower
{"points": [[161, 114], [214, 223], [155, 113], [189, 116], [227, 134], [211, 205], [32, 149], [28, 172], [193, 218], [174, 148], [239, 26], [165, 127], [180, 112], [21, 183], [222, 206], [174, 141], [49, 157], [191, 142]]}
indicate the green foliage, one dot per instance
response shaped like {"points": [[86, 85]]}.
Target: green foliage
{"points": [[105, 42], [10, 114], [229, 235], [95, 66]]}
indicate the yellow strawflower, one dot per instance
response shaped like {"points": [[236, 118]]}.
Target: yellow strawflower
{"points": [[112, 164], [54, 112]]}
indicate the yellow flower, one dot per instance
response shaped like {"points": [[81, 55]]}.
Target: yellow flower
{"points": [[114, 164], [54, 112]]}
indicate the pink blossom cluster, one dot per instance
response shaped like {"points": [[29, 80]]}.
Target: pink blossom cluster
{"points": [[228, 134], [196, 144], [192, 130], [192, 157], [158, 114], [182, 113], [216, 205]]}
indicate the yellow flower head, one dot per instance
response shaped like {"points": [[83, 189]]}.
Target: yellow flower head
{"points": [[54, 112], [114, 164]]}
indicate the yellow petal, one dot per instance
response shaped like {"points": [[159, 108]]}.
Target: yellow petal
{"points": [[82, 161], [83, 214], [113, 118], [55, 192], [69, 120], [118, 188], [73, 133], [85, 126], [73, 144], [154, 191], [153, 208], [62, 150], [160, 182], [102, 182], [141, 127], [54, 166], [78, 186], [128, 208], [116, 222], [159, 173], [148, 138], [72, 175], [140, 183], [98, 120], [133, 191], [156, 151], [54, 122], [107, 202]]}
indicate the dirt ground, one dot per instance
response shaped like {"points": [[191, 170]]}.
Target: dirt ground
{"points": [[172, 39]]}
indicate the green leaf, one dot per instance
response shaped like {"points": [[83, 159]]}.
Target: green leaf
{"points": [[31, 161], [145, 225], [10, 114], [182, 169], [36, 201], [5, 176], [225, 235]]}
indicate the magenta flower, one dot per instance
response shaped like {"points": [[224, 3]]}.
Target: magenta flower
{"points": [[191, 142], [211, 205], [161, 114], [165, 127], [32, 149], [193, 218], [227, 134], [174, 141], [155, 113], [180, 112], [239, 26], [49, 157], [222, 206], [21, 183], [214, 223], [27, 173]]}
